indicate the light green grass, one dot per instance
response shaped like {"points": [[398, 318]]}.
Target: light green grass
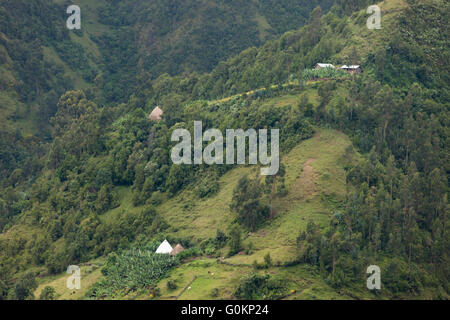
{"points": [[90, 273], [284, 101], [263, 27], [199, 219], [124, 195], [278, 237], [90, 26], [364, 39], [51, 56]]}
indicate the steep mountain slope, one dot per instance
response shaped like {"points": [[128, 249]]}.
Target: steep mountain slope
{"points": [[119, 37], [364, 161], [121, 44], [176, 36]]}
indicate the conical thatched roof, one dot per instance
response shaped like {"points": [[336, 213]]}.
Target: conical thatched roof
{"points": [[178, 248], [156, 114]]}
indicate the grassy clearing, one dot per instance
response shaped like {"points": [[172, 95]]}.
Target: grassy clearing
{"points": [[263, 27], [284, 101], [8, 105], [124, 195], [200, 219], [15, 115], [90, 273], [363, 39], [311, 197], [197, 279], [203, 279], [51, 56], [308, 89], [90, 26], [89, 15]]}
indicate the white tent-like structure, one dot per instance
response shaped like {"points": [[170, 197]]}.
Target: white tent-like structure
{"points": [[164, 247]]}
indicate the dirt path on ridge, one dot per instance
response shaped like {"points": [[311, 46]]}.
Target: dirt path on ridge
{"points": [[305, 186]]}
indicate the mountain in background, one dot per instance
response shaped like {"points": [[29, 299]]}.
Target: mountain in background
{"points": [[120, 44]]}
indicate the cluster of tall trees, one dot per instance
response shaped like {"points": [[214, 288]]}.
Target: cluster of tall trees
{"points": [[140, 41], [94, 150], [399, 206]]}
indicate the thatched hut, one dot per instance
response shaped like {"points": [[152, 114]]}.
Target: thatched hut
{"points": [[178, 248]]}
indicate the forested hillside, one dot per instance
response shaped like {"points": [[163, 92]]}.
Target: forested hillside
{"points": [[87, 179], [121, 44]]}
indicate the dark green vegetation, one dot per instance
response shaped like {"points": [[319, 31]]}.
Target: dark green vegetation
{"points": [[133, 269], [258, 287], [84, 174], [121, 47]]}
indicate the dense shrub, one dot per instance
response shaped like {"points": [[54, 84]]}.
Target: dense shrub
{"points": [[132, 270], [260, 287], [48, 293]]}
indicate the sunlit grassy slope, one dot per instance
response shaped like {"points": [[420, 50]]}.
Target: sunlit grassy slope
{"points": [[316, 182], [314, 176], [366, 40], [90, 27], [90, 273], [315, 179]]}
